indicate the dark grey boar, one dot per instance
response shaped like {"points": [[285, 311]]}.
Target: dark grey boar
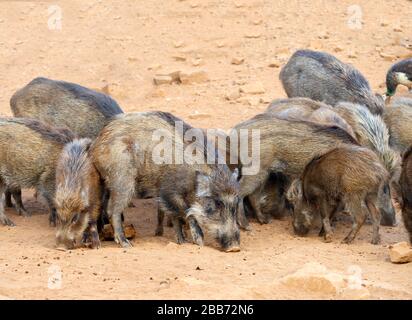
{"points": [[406, 188], [123, 153], [321, 76], [285, 147], [399, 74], [64, 104], [28, 158], [348, 175], [78, 196], [371, 131]]}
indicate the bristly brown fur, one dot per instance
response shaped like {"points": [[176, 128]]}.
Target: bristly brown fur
{"points": [[59, 135]]}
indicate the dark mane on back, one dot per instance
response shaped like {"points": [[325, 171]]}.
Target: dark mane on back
{"points": [[335, 132], [172, 119], [102, 102], [59, 135]]}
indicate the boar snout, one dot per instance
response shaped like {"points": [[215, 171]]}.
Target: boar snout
{"points": [[230, 241]]}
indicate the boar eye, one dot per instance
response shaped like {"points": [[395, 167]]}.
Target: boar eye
{"points": [[219, 204], [75, 218]]}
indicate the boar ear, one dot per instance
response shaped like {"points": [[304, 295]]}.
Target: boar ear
{"points": [[295, 191], [202, 185]]}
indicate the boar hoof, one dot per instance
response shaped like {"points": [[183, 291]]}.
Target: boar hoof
{"points": [[159, 232], [24, 213], [376, 240], [347, 240], [328, 238], [96, 244], [6, 221], [264, 220], [122, 240]]}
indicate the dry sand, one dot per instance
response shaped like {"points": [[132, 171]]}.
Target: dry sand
{"points": [[119, 46]]}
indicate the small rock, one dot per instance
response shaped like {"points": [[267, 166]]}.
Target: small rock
{"points": [[315, 277], [253, 101], [274, 64], [253, 35], [178, 44], [384, 23], [338, 49], [199, 115], [193, 77], [398, 29], [253, 88], [237, 60], [387, 57], [197, 62], [400, 252], [179, 57], [352, 55], [265, 100], [220, 44], [156, 66], [257, 22], [164, 285], [233, 94], [162, 79]]}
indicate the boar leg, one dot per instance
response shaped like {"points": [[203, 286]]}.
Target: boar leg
{"points": [[116, 205], [177, 226], [9, 204], [250, 184], [19, 203], [376, 217], [160, 218], [94, 234], [325, 213], [358, 216], [3, 218], [254, 200], [241, 216], [196, 231]]}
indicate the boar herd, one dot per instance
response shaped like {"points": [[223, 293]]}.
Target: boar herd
{"points": [[332, 146]]}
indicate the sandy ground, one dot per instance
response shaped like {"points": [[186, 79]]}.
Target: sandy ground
{"points": [[119, 46]]}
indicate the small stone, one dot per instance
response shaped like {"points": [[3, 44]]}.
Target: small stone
{"points": [[199, 115], [233, 94], [179, 58], [387, 57], [265, 100], [315, 277], [178, 44], [352, 55], [162, 79], [253, 88], [338, 49], [400, 252], [274, 64], [398, 29], [156, 66], [173, 245], [237, 60], [164, 285], [197, 62], [193, 77], [257, 22], [253, 35], [384, 23], [221, 44], [253, 101]]}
